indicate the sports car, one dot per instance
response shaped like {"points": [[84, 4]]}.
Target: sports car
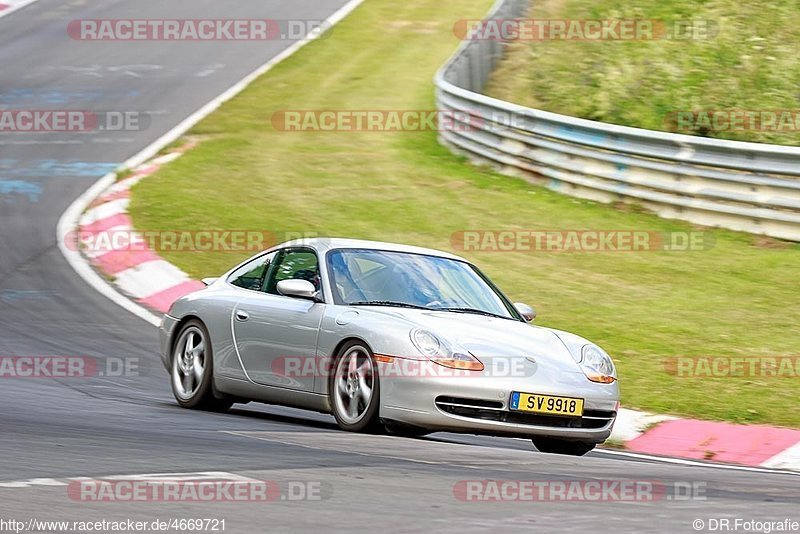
{"points": [[386, 337]]}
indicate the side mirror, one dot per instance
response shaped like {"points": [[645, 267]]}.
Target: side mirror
{"points": [[298, 288], [209, 281], [526, 311]]}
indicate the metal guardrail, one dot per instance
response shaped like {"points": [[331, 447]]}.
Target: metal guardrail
{"points": [[751, 187]]}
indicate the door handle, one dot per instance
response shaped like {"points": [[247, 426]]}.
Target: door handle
{"points": [[242, 315]]}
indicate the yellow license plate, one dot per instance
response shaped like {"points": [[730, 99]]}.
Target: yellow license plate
{"points": [[533, 402]]}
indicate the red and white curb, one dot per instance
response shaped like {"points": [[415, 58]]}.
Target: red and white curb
{"points": [[9, 6], [749, 445], [138, 272]]}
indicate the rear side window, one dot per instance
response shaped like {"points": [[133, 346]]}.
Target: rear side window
{"points": [[251, 274]]}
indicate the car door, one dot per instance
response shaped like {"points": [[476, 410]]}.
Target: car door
{"points": [[275, 335]]}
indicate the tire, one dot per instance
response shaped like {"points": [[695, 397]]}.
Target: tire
{"points": [[562, 446], [192, 369], [354, 389]]}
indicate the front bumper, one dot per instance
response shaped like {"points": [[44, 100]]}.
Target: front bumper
{"points": [[480, 405]]}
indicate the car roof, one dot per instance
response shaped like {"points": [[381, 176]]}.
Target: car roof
{"points": [[324, 244]]}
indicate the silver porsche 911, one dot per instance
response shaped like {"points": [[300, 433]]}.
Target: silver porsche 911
{"points": [[386, 336]]}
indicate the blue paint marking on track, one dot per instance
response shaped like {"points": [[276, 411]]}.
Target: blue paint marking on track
{"points": [[24, 96], [14, 295], [9, 189], [53, 167]]}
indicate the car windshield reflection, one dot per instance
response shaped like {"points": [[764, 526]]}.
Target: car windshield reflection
{"points": [[406, 280]]}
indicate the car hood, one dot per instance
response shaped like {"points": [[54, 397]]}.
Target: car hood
{"points": [[489, 337]]}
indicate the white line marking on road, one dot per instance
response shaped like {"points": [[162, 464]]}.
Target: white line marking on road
{"points": [[210, 70], [32, 482], [154, 477]]}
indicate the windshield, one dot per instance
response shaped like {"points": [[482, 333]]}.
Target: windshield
{"points": [[377, 277]]}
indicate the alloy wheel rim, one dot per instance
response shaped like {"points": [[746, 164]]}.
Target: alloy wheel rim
{"points": [[354, 382], [189, 362]]}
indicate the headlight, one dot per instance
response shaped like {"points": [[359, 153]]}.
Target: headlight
{"points": [[430, 345], [427, 343], [597, 365]]}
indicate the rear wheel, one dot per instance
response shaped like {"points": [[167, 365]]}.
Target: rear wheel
{"points": [[561, 446], [193, 369], [354, 389]]}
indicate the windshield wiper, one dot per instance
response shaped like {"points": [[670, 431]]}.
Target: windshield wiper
{"points": [[388, 303], [473, 310]]}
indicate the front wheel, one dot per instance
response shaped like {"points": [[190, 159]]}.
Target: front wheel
{"points": [[562, 446], [192, 369], [354, 389]]}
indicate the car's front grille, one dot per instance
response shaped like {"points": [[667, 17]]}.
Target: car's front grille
{"points": [[493, 411], [468, 403]]}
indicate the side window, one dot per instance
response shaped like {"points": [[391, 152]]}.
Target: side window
{"points": [[251, 274], [294, 263]]}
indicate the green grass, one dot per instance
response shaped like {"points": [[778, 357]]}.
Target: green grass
{"points": [[739, 298], [751, 64]]}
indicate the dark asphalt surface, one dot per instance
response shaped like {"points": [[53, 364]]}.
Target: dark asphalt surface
{"points": [[58, 429]]}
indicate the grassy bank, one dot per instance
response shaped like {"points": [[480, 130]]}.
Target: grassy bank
{"points": [[748, 61], [738, 298]]}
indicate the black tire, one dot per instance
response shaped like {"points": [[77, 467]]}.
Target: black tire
{"points": [[201, 396], [562, 446], [367, 418]]}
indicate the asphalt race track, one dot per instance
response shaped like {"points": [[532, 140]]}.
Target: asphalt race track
{"points": [[55, 430]]}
